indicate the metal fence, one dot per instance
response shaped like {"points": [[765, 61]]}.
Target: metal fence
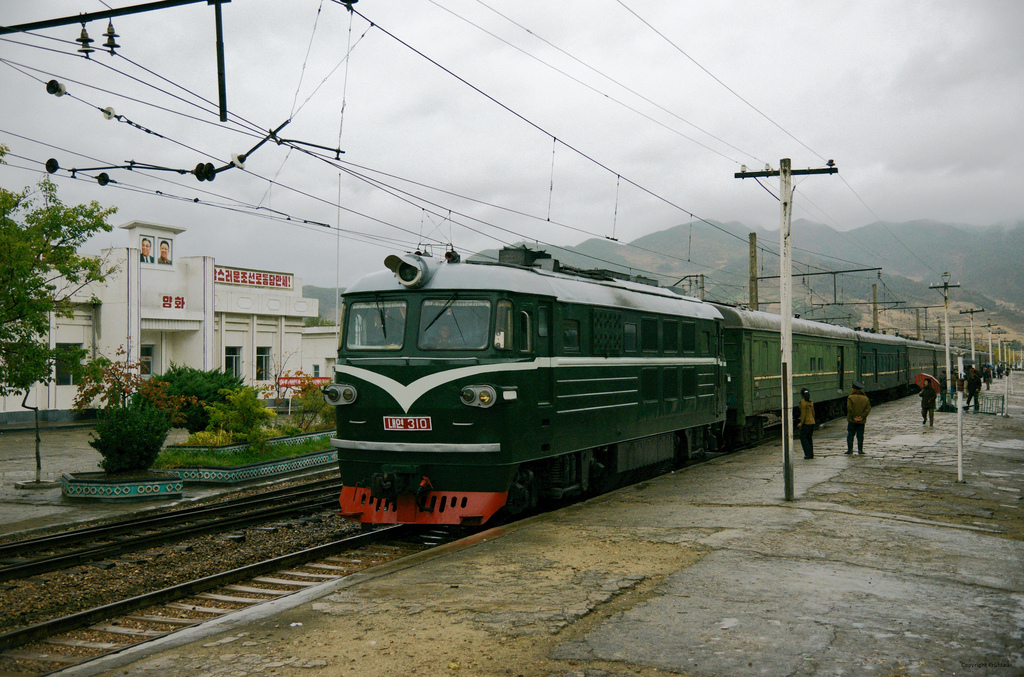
{"points": [[991, 404]]}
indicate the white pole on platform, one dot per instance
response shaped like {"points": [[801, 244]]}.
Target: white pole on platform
{"points": [[959, 422], [786, 292]]}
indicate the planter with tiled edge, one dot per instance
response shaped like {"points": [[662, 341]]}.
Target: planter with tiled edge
{"points": [[256, 471], [99, 486]]}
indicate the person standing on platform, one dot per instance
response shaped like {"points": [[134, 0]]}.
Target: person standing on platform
{"points": [[973, 388], [806, 423], [858, 406], [928, 402]]}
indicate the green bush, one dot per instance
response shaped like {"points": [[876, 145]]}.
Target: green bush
{"points": [[243, 415], [130, 438], [209, 438], [208, 386]]}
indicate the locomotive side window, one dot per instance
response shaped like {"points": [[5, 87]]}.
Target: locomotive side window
{"points": [[376, 325], [649, 334], [525, 332], [455, 325], [629, 337], [503, 326], [571, 335], [542, 322]]}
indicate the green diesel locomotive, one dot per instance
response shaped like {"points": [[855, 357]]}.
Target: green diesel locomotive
{"points": [[465, 388]]}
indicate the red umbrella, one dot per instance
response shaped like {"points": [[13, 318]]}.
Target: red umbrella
{"points": [[920, 381]]}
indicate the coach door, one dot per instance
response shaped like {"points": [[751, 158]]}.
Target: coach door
{"points": [[841, 367]]}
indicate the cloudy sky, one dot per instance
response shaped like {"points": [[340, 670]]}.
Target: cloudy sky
{"points": [[482, 122]]}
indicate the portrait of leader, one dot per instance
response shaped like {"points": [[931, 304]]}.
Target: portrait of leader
{"points": [[165, 252], [146, 250]]}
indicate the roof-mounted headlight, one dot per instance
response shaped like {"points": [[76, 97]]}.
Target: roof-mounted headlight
{"points": [[411, 270], [338, 394]]}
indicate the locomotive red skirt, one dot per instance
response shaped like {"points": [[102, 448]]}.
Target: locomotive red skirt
{"points": [[434, 507]]}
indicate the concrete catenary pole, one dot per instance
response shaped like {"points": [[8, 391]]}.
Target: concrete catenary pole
{"points": [[753, 271]]}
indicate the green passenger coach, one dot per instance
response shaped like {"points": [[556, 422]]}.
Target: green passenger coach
{"points": [[465, 388]]}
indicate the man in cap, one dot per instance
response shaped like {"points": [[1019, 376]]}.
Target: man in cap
{"points": [[806, 423], [858, 406]]}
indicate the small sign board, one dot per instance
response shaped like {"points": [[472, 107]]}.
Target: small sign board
{"points": [[407, 423]]}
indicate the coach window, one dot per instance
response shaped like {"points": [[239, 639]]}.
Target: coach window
{"points": [[670, 336], [649, 334], [503, 326], [525, 332], [571, 335], [689, 337], [629, 337]]}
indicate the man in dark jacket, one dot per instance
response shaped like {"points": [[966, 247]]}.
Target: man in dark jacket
{"points": [[973, 388], [858, 406], [928, 402]]}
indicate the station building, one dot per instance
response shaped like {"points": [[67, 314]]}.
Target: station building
{"points": [[162, 308]]}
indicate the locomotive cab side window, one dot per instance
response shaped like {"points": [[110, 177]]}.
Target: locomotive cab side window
{"points": [[542, 322], [525, 332], [503, 326]]}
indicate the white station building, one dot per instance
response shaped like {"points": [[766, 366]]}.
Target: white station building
{"points": [[187, 310]]}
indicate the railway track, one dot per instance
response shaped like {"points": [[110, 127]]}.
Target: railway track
{"points": [[42, 554], [80, 637]]}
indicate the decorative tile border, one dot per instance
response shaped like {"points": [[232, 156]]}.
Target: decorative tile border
{"points": [[255, 471], [100, 487]]}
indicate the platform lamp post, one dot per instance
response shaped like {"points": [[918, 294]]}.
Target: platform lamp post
{"points": [[971, 312], [786, 174]]}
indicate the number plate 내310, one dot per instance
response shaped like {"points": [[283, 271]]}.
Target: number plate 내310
{"points": [[407, 423]]}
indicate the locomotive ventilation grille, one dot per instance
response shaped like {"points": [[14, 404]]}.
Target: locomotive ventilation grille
{"points": [[436, 503]]}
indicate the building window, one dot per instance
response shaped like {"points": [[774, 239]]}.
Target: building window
{"points": [[263, 367], [316, 370], [66, 368], [233, 360], [146, 360]]}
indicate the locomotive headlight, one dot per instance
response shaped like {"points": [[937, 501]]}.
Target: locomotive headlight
{"points": [[478, 396], [338, 394]]}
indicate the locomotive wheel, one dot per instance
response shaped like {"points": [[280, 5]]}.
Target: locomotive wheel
{"points": [[523, 493]]}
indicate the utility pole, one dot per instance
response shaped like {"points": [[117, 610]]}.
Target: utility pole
{"points": [[989, 327], [918, 323], [945, 287], [753, 271], [874, 308], [785, 174], [972, 311]]}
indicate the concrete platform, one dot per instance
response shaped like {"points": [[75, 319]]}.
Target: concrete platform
{"points": [[882, 565]]}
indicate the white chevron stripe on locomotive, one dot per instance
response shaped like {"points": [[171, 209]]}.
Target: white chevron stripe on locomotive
{"points": [[406, 396]]}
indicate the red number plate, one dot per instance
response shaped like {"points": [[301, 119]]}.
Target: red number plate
{"points": [[407, 423]]}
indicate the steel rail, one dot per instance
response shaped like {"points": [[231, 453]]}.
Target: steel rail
{"points": [[46, 629], [43, 565], [99, 532]]}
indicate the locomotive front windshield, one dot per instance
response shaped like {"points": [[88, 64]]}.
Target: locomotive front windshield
{"points": [[444, 324], [376, 325], [450, 324]]}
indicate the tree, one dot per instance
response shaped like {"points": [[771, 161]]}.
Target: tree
{"points": [[40, 270]]}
